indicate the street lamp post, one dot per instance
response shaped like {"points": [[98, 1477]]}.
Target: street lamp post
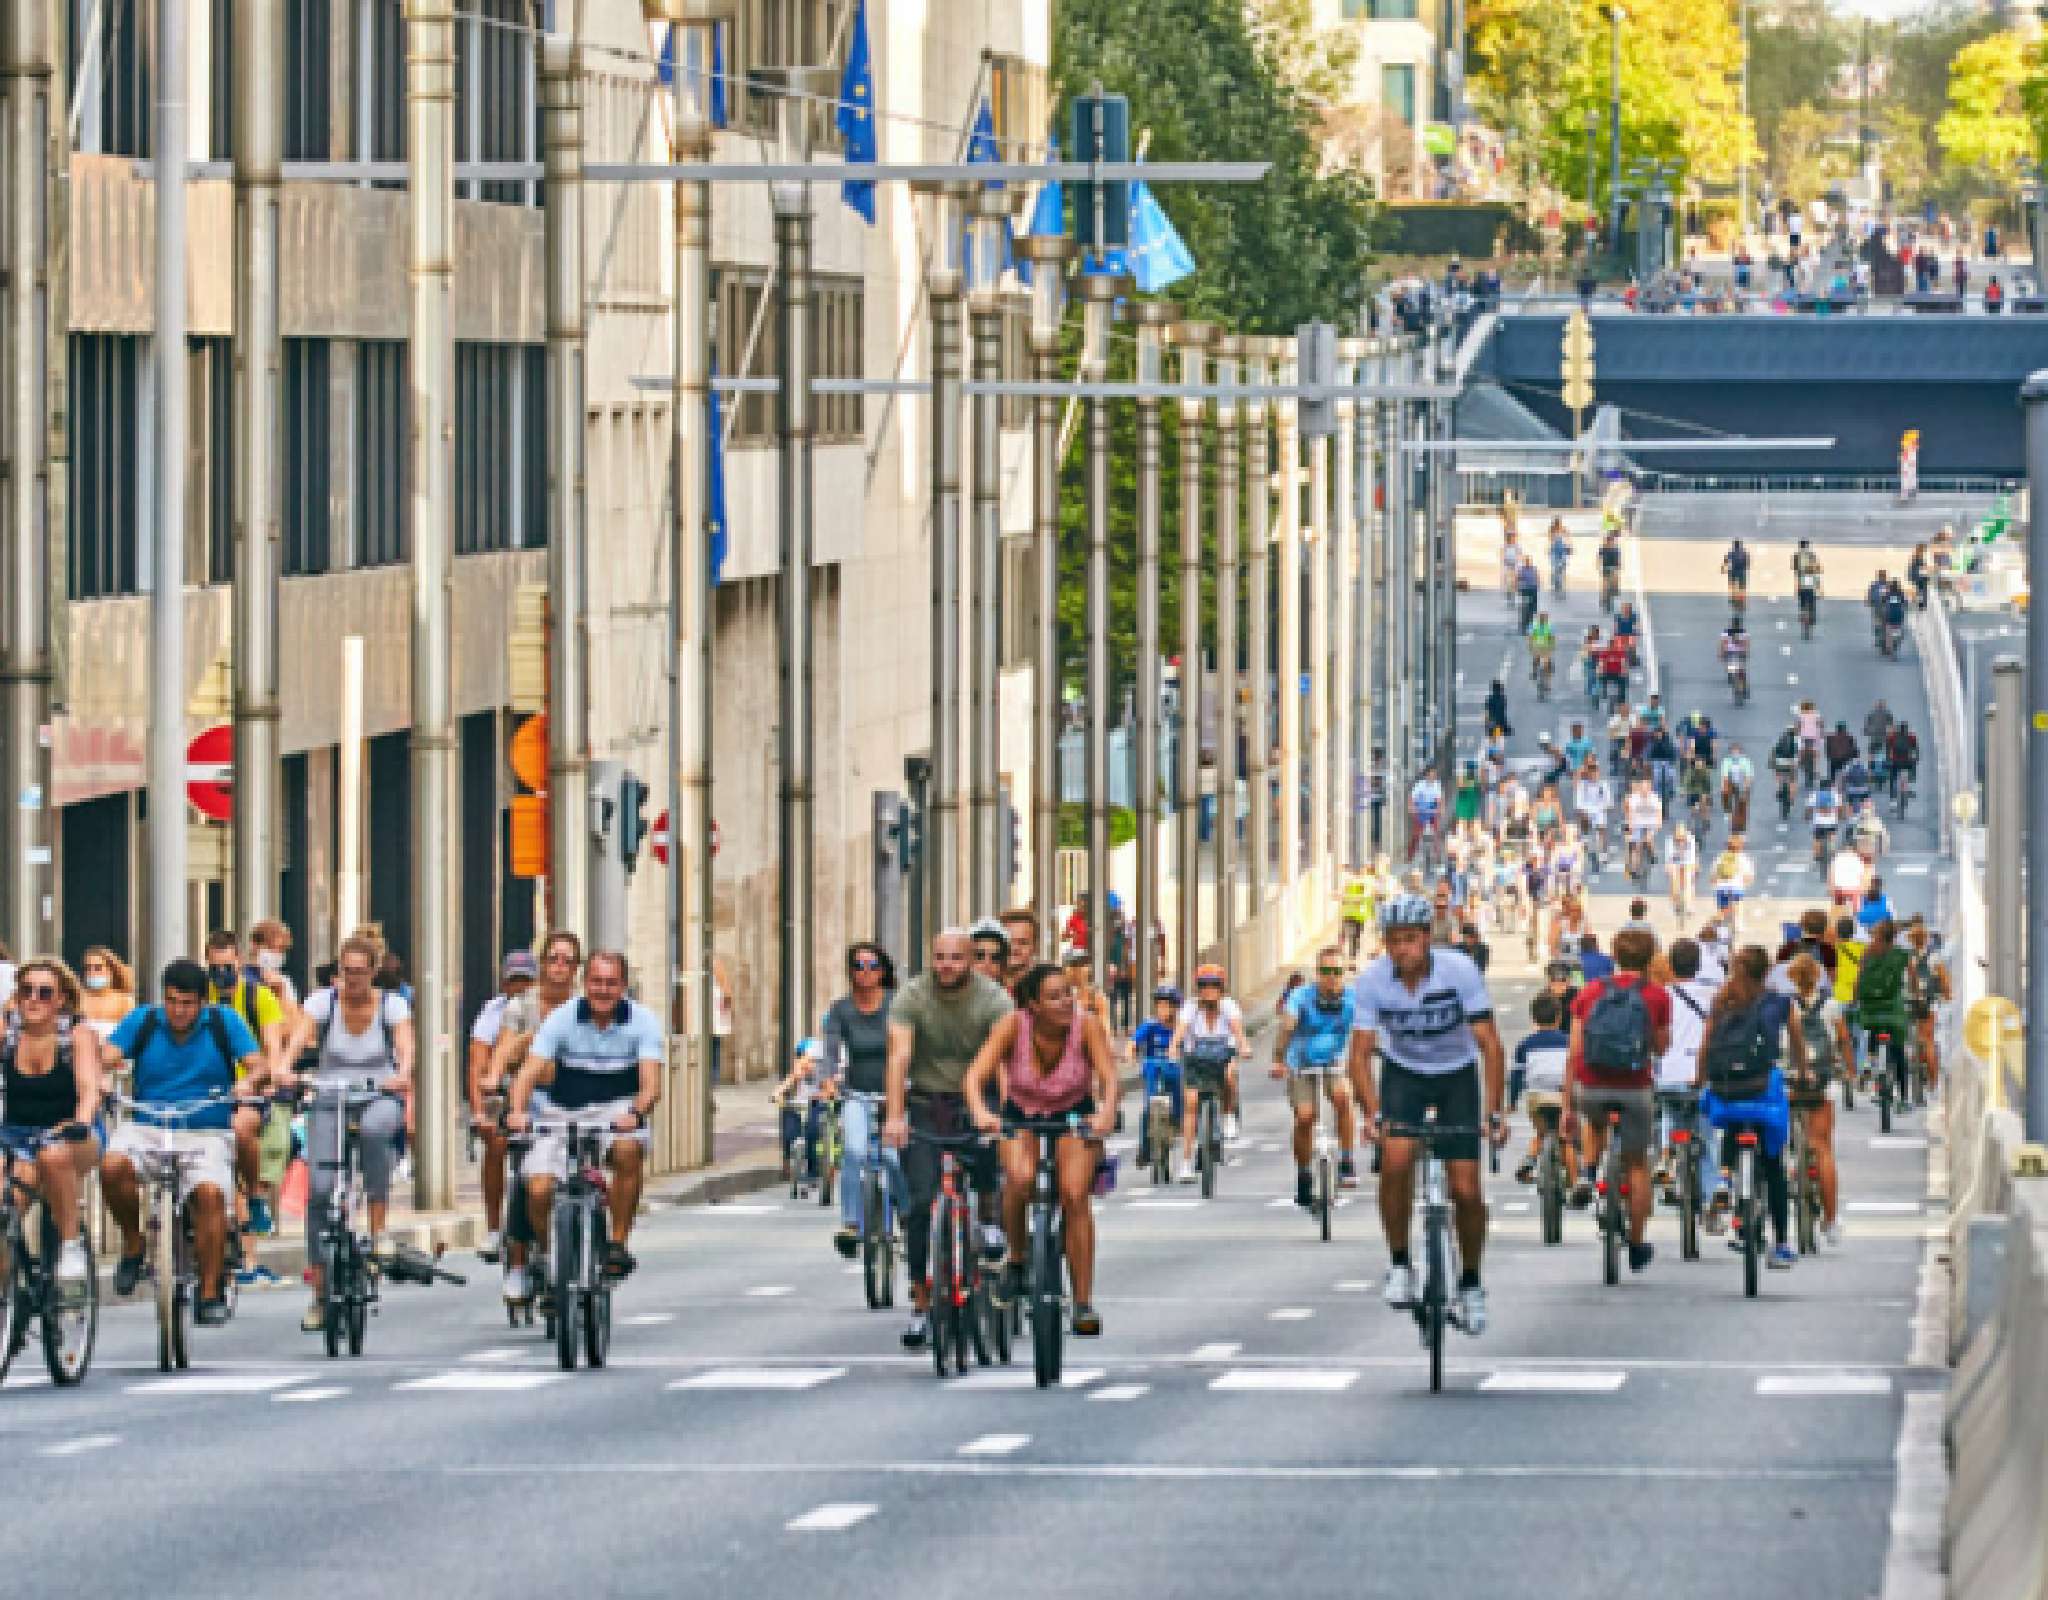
{"points": [[1258, 632], [1100, 290], [1191, 340], [984, 756], [1227, 350]]}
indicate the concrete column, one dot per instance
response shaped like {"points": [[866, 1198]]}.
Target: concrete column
{"points": [[1229, 490], [1048, 258], [1288, 574], [29, 580], [1316, 662], [436, 796], [1191, 340], [258, 89], [984, 633], [1099, 294], [1443, 537], [569, 844], [1359, 681], [2035, 395], [946, 905], [1258, 836], [1343, 611], [1400, 542], [1153, 317]]}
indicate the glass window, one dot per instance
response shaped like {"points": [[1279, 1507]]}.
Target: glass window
{"points": [[381, 402], [1397, 91]]}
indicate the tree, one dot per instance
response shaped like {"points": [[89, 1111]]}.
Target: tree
{"points": [[1794, 57], [1801, 163], [1985, 129], [1909, 155], [1520, 61], [1317, 62]]}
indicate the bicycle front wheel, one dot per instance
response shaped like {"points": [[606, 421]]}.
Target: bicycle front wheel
{"points": [[1046, 1331], [1205, 1151], [872, 1259], [1752, 1226], [10, 1293], [170, 1306], [1325, 1197], [565, 1259], [1550, 1185], [1436, 1286]]}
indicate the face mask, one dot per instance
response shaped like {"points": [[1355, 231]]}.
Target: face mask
{"points": [[223, 977], [97, 980], [270, 960]]}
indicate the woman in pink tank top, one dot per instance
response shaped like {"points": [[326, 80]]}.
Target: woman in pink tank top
{"points": [[1051, 1059]]}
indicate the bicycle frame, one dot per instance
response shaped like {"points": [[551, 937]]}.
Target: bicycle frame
{"points": [[578, 1228]]}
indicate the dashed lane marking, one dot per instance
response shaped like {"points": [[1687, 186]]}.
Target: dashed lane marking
{"points": [[782, 1379], [84, 1446], [835, 1517], [1291, 1314], [1214, 1352], [508, 1352], [218, 1383], [307, 1396], [770, 1291], [1517, 1382], [1164, 1205], [485, 1382], [655, 1319], [1118, 1392], [1898, 1141], [995, 1444], [1824, 1383], [1078, 1378], [1281, 1380], [1885, 1208]]}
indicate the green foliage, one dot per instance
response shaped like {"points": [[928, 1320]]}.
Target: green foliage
{"points": [[1794, 57], [1123, 825], [1984, 130]]}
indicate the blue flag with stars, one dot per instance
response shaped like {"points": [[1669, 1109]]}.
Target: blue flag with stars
{"points": [[982, 150], [856, 114], [1158, 257], [1048, 211]]}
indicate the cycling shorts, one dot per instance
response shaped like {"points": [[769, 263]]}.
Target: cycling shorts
{"points": [[1454, 1096]]}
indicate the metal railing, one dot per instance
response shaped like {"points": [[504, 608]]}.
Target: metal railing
{"points": [[1823, 483]]}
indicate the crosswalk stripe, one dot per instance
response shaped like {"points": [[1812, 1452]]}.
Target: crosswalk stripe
{"points": [[1115, 1392], [1282, 1380], [1824, 1383], [217, 1383], [479, 1382], [783, 1379], [1553, 1382]]}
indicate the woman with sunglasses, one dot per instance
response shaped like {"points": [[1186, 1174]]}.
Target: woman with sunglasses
{"points": [[857, 1053], [109, 990], [1211, 1035], [50, 1079]]}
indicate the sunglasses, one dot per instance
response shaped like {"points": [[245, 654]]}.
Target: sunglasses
{"points": [[355, 972], [40, 991], [1330, 972], [867, 964]]}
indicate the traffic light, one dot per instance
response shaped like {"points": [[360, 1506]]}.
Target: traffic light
{"points": [[909, 836], [1102, 132], [1316, 355], [632, 819]]}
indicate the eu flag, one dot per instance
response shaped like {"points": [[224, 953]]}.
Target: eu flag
{"points": [[982, 150], [715, 490], [1048, 211], [856, 114], [1157, 258]]}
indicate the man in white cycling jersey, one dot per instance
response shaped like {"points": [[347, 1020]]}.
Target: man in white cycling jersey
{"points": [[1425, 809]]}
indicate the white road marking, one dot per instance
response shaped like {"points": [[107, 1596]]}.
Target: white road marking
{"points": [[1116, 1392], [1214, 1352], [308, 1396], [1885, 1208], [506, 1352], [26, 1380], [218, 1383], [770, 1291], [1516, 1205], [79, 1447], [1912, 869], [1825, 1383], [1356, 1286], [1553, 1382], [654, 1319], [776, 1378], [481, 1382], [836, 1517], [1184, 1472], [1078, 1378], [995, 1444], [739, 1208], [1291, 1314], [1164, 1205], [1268, 1380], [1791, 680], [1899, 1141]]}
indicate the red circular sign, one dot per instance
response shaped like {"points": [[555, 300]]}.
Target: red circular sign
{"points": [[210, 773], [657, 838]]}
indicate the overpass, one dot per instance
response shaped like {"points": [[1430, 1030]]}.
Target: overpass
{"points": [[1863, 379]]}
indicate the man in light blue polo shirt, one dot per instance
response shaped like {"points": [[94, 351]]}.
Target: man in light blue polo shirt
{"points": [[600, 1061]]}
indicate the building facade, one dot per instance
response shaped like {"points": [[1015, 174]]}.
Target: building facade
{"points": [[1395, 88]]}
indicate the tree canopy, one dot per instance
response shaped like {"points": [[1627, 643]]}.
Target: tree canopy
{"points": [[1985, 126]]}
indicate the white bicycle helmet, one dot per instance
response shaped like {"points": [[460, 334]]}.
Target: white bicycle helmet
{"points": [[1407, 911]]}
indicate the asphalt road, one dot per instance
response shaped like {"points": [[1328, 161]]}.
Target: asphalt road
{"points": [[1252, 1422]]}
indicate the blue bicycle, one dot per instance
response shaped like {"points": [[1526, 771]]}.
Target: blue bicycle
{"points": [[877, 1214]]}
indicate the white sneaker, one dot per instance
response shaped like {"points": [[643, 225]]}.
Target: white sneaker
{"points": [[994, 1242], [1230, 1128], [71, 1267], [1188, 1173], [518, 1286], [492, 1245], [1399, 1289], [1472, 1310], [1833, 1234]]}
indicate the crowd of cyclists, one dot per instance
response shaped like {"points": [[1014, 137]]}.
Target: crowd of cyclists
{"points": [[994, 1047]]}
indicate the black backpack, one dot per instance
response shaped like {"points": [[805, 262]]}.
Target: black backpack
{"points": [[1616, 1032], [1739, 1054], [209, 1018]]}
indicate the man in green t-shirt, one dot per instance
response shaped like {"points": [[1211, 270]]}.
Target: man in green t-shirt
{"points": [[1881, 1003], [241, 990], [938, 1023]]}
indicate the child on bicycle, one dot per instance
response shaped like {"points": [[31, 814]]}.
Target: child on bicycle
{"points": [[1152, 1042], [801, 1097], [1540, 1063]]}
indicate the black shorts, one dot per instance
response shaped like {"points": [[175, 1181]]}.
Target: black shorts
{"points": [[1454, 1096], [1084, 1108]]}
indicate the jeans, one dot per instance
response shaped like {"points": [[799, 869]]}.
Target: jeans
{"points": [[802, 1123], [857, 1127], [1706, 1139]]}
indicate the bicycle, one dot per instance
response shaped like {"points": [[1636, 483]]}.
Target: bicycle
{"points": [[1611, 1189], [170, 1256], [1610, 587], [1542, 669], [1433, 1308], [1804, 1175], [1902, 792], [877, 1215], [1323, 1206], [1681, 1113], [69, 1314], [831, 1149], [1046, 1270], [1639, 854], [348, 1281], [1809, 612], [1738, 682], [959, 1308], [579, 1230], [1159, 1135], [1550, 1180], [1204, 1079], [1880, 1060], [1748, 1204]]}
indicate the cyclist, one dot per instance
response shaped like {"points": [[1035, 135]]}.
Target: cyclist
{"points": [[1354, 910], [1560, 554], [1808, 720], [992, 949], [1428, 1014], [1873, 601], [1578, 749], [856, 1034], [1052, 1059], [50, 1079], [1827, 1049], [521, 971], [1592, 799], [1661, 752], [1610, 568], [1892, 618], [1692, 995], [1868, 834], [1733, 874], [1743, 1086], [183, 1049], [1310, 1042], [1855, 785], [1785, 766], [1927, 985], [1848, 945], [800, 1098], [1642, 813], [601, 1058], [1542, 649], [937, 1026], [1621, 1025], [1806, 573], [1425, 812], [1697, 789], [1590, 652], [1682, 867], [1881, 1006], [1736, 564], [1738, 778], [1877, 726], [1874, 907], [1734, 657], [1212, 1031], [1541, 1061], [1902, 759], [241, 989], [361, 1032], [1529, 590], [1823, 815], [561, 959]]}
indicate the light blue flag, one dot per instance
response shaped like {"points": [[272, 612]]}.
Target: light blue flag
{"points": [[856, 114], [982, 150], [1048, 212], [1157, 258], [715, 489]]}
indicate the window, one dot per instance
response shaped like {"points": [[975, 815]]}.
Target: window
{"points": [[108, 373], [307, 447], [111, 58], [379, 80], [210, 486], [500, 447], [785, 33], [381, 405], [308, 79], [747, 326], [497, 104], [1397, 91], [1381, 10]]}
